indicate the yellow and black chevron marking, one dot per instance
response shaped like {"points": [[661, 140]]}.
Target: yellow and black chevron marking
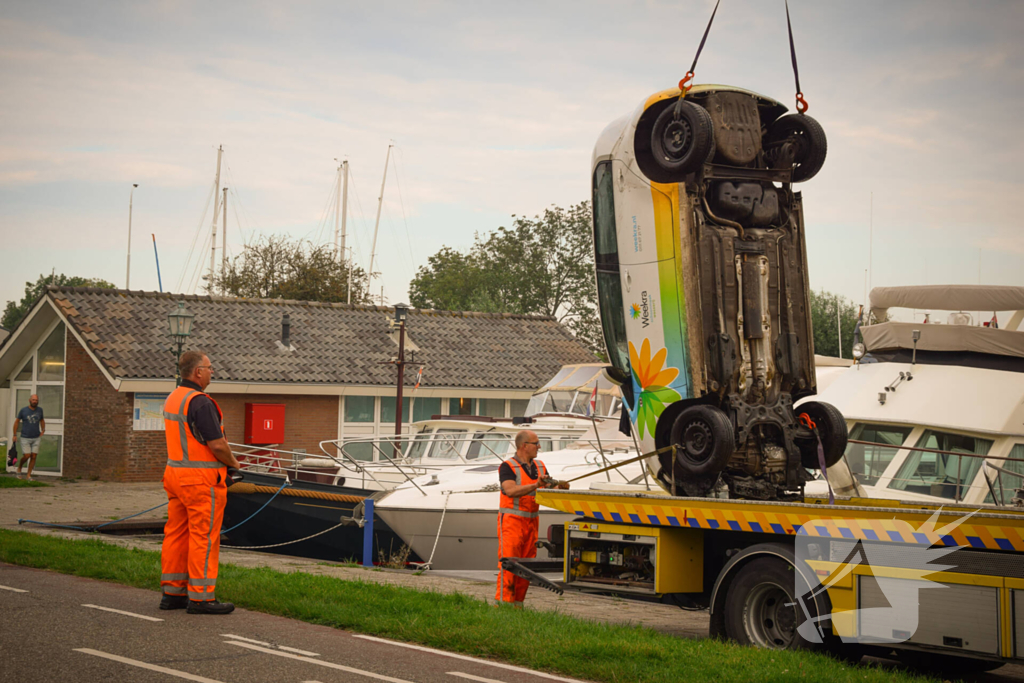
{"points": [[996, 531]]}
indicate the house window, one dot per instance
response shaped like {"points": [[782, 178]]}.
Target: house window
{"points": [[359, 408], [491, 407], [461, 406], [517, 407], [43, 375], [387, 410], [424, 408]]}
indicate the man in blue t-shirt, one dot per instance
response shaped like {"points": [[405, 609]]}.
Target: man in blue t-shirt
{"points": [[33, 426]]}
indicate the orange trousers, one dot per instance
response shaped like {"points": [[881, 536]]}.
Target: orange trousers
{"points": [[517, 537], [191, 548]]}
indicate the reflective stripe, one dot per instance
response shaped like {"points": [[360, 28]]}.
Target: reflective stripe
{"points": [[174, 590], [173, 577], [174, 417], [518, 513], [202, 582], [194, 595], [195, 464], [209, 535]]}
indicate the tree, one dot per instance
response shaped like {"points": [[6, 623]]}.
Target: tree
{"points": [[824, 308], [277, 268], [543, 265], [14, 312]]}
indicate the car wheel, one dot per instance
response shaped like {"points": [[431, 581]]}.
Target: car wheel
{"points": [[682, 138], [808, 145], [831, 430], [704, 440]]}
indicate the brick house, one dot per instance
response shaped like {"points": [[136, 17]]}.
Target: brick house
{"points": [[101, 360]]}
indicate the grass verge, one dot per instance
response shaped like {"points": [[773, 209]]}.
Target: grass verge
{"points": [[539, 640], [12, 482]]}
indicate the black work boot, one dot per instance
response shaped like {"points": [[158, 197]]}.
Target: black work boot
{"points": [[209, 607], [173, 601]]}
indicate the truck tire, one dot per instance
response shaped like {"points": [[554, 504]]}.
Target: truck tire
{"points": [[809, 138], [704, 440], [760, 609], [831, 430], [682, 139]]}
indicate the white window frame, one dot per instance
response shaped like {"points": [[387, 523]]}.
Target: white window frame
{"points": [[54, 426]]}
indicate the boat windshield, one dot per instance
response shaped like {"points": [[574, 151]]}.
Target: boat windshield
{"points": [[488, 445], [1004, 483], [869, 462], [419, 445], [447, 443], [939, 474]]}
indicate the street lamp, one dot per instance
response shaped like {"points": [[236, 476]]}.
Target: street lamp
{"points": [[179, 323], [401, 313], [128, 268]]}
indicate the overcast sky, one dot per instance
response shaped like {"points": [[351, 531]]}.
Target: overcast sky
{"points": [[494, 109]]}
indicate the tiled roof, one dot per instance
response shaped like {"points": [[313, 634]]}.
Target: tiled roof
{"points": [[333, 343]]}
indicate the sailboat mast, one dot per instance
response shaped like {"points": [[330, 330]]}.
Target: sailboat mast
{"points": [[216, 210], [344, 229], [224, 242], [337, 216], [376, 224]]}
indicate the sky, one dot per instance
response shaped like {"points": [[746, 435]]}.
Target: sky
{"points": [[493, 110]]}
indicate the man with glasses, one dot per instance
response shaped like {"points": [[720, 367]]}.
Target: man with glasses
{"points": [[518, 512], [196, 479]]}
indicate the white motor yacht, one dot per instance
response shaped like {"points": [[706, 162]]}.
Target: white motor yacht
{"points": [[954, 390], [449, 517]]}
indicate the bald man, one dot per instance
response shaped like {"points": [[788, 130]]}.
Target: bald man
{"points": [[518, 513], [33, 426]]}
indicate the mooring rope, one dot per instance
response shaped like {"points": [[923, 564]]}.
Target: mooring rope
{"points": [[247, 488], [278, 545]]}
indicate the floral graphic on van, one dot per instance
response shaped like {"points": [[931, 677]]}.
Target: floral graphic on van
{"points": [[635, 311], [652, 380]]}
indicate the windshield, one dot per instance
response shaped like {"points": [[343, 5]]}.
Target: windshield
{"points": [[869, 462], [941, 474], [447, 443], [419, 444], [488, 446]]}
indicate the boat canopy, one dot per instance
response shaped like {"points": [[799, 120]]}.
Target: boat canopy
{"points": [[892, 336], [947, 298], [569, 391]]}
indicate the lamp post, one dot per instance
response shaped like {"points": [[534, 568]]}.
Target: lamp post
{"points": [[401, 313], [128, 267], [179, 323]]}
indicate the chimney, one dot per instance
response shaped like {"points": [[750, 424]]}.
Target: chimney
{"points": [[286, 330]]}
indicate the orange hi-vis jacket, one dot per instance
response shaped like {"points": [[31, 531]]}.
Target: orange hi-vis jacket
{"points": [[523, 506], [196, 485], [518, 524]]}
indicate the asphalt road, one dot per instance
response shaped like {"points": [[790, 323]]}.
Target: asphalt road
{"points": [[58, 627]]}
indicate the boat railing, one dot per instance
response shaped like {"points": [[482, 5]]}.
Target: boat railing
{"points": [[960, 487], [270, 459]]}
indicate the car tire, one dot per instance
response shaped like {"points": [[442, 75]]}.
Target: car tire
{"points": [[831, 430], [705, 440], [682, 139], [810, 140]]}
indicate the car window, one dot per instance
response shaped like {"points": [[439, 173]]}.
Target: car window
{"points": [[606, 257]]}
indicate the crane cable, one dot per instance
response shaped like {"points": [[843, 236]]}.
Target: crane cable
{"points": [[685, 84]]}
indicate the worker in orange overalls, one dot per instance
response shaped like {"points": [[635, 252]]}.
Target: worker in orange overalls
{"points": [[195, 479], [518, 522]]}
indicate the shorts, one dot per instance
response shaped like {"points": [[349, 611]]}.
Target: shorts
{"points": [[28, 446]]}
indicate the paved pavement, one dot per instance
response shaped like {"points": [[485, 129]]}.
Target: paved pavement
{"points": [[59, 627]]}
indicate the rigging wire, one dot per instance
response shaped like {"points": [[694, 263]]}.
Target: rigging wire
{"points": [[325, 214], [250, 219], [401, 201], [197, 273], [362, 215], [191, 249]]}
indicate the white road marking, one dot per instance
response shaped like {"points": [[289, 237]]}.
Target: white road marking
{"points": [[119, 611], [13, 590], [279, 647], [144, 665], [471, 677], [509, 667], [320, 662]]}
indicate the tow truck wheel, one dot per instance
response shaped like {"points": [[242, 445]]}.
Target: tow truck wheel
{"points": [[808, 140], [704, 439], [682, 139], [831, 430], [760, 606]]}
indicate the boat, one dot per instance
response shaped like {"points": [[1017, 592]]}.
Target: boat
{"points": [[953, 390], [449, 518]]}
